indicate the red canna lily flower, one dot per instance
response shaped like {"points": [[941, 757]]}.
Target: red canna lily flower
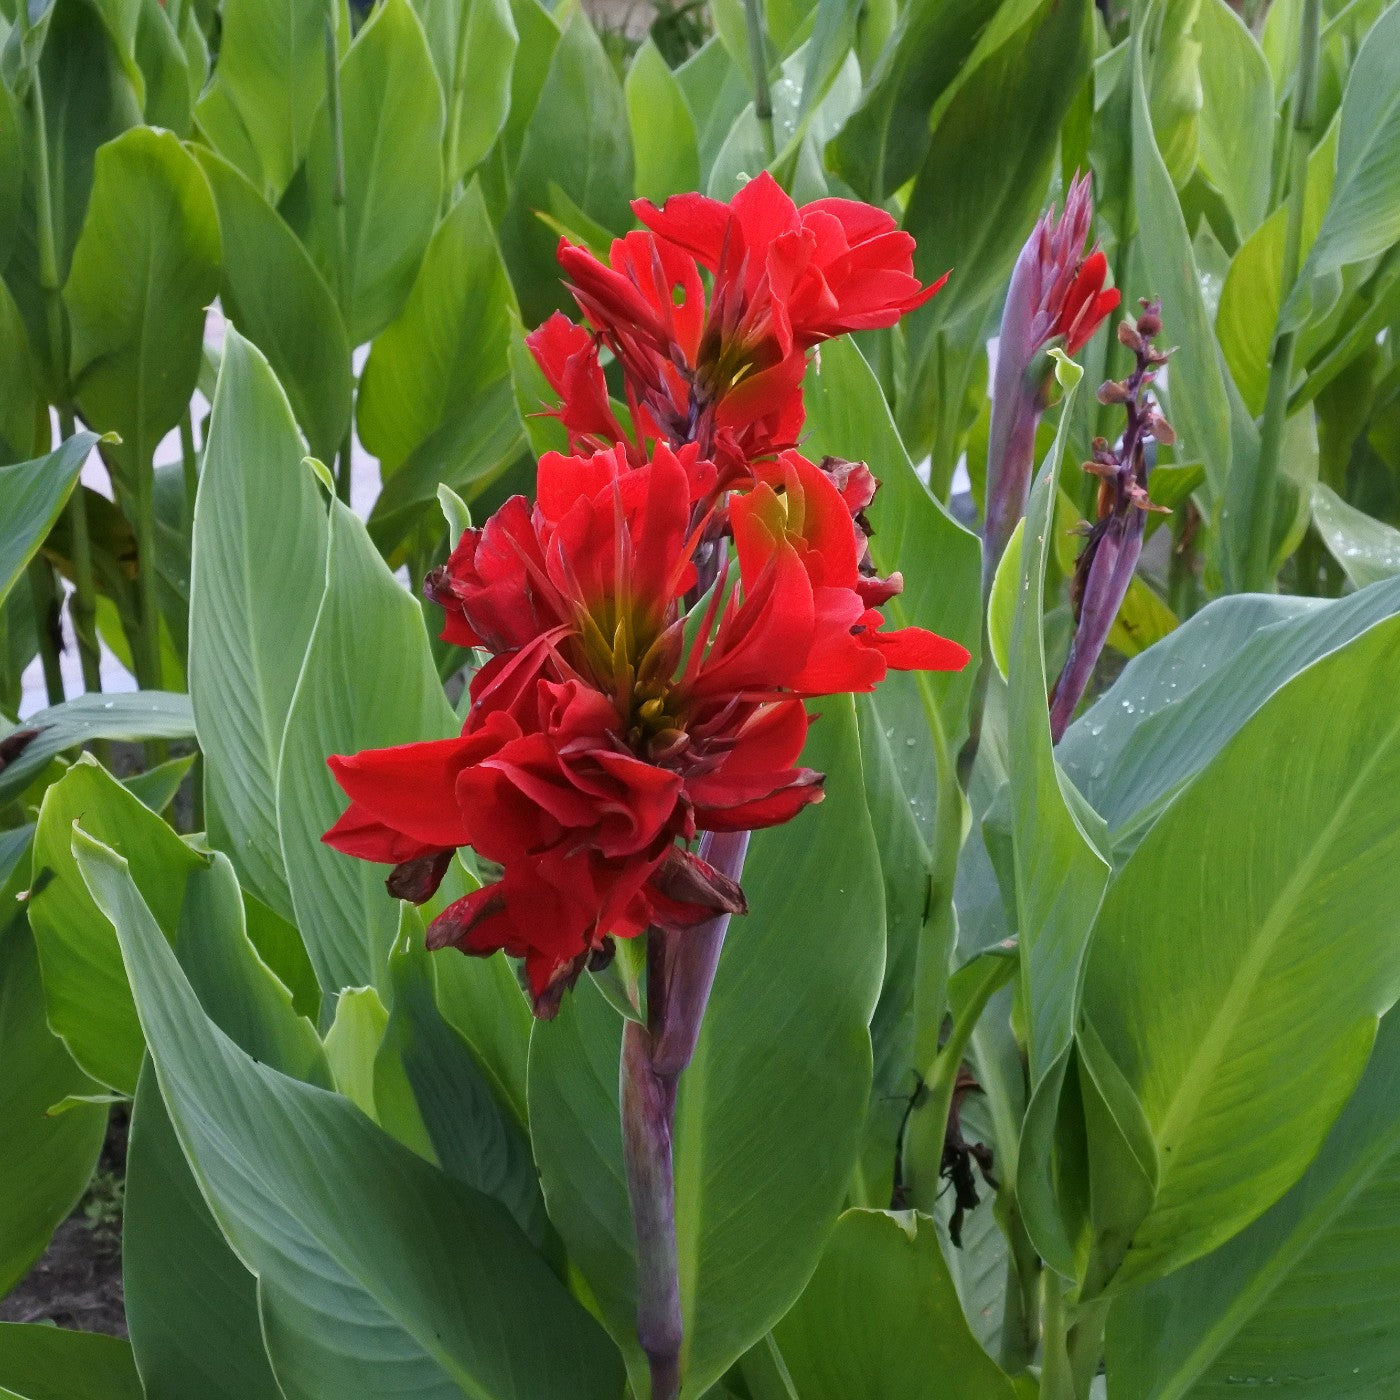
{"points": [[600, 734]]}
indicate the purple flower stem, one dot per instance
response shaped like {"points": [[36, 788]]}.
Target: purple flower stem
{"points": [[1115, 558], [680, 973]]}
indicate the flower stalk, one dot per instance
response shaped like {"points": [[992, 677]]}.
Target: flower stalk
{"points": [[1105, 567]]}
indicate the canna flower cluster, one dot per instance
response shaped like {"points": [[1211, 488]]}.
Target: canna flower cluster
{"points": [[655, 620]]}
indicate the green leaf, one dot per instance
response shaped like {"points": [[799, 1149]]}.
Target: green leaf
{"points": [[881, 1317], [1367, 548], [191, 1306], [983, 181], [481, 438], [369, 246], [164, 65], [1237, 113], [1363, 216], [455, 1113], [41, 1362], [89, 1003], [352, 1044], [1292, 956], [157, 786], [377, 1274], [663, 130], [45, 1162], [1001, 606], [268, 85], [240, 993], [847, 417], [577, 137], [32, 495], [1175, 707], [24, 413], [258, 574], [370, 628], [1252, 296], [482, 1000], [88, 100], [149, 714], [1060, 874], [763, 1148], [1197, 397], [273, 293], [145, 267], [473, 44], [1292, 1304], [449, 342], [888, 137], [1142, 621]]}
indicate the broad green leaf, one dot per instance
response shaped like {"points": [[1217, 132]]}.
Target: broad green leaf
{"points": [[663, 130], [164, 66], [983, 181], [190, 1304], [1174, 88], [481, 438], [447, 345], [370, 245], [269, 83], [377, 1275], [145, 267], [24, 414], [149, 714], [482, 1000], [273, 293], [157, 786], [1237, 114], [880, 1317], [578, 138], [89, 1002], [352, 1045], [763, 1148], [1367, 548], [1293, 1304], [32, 494], [239, 992], [88, 100], [473, 44], [1197, 398], [1176, 706], [717, 89], [1252, 296], [368, 627], [941, 561], [45, 1162], [887, 139], [12, 172], [41, 1362], [1060, 874], [1363, 216], [258, 574], [1275, 948], [1001, 605], [458, 1118]]}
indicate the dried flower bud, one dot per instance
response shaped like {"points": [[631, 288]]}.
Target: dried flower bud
{"points": [[1128, 335], [1160, 428], [1112, 392], [1150, 322]]}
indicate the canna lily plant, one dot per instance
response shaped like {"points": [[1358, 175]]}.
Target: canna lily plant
{"points": [[652, 628], [856, 868]]}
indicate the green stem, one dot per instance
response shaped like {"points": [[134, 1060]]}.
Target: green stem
{"points": [[1086, 1344], [1263, 486], [45, 595], [928, 1123], [1056, 1373], [1020, 1325], [189, 458], [343, 468], [758, 61], [337, 126], [82, 606]]}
